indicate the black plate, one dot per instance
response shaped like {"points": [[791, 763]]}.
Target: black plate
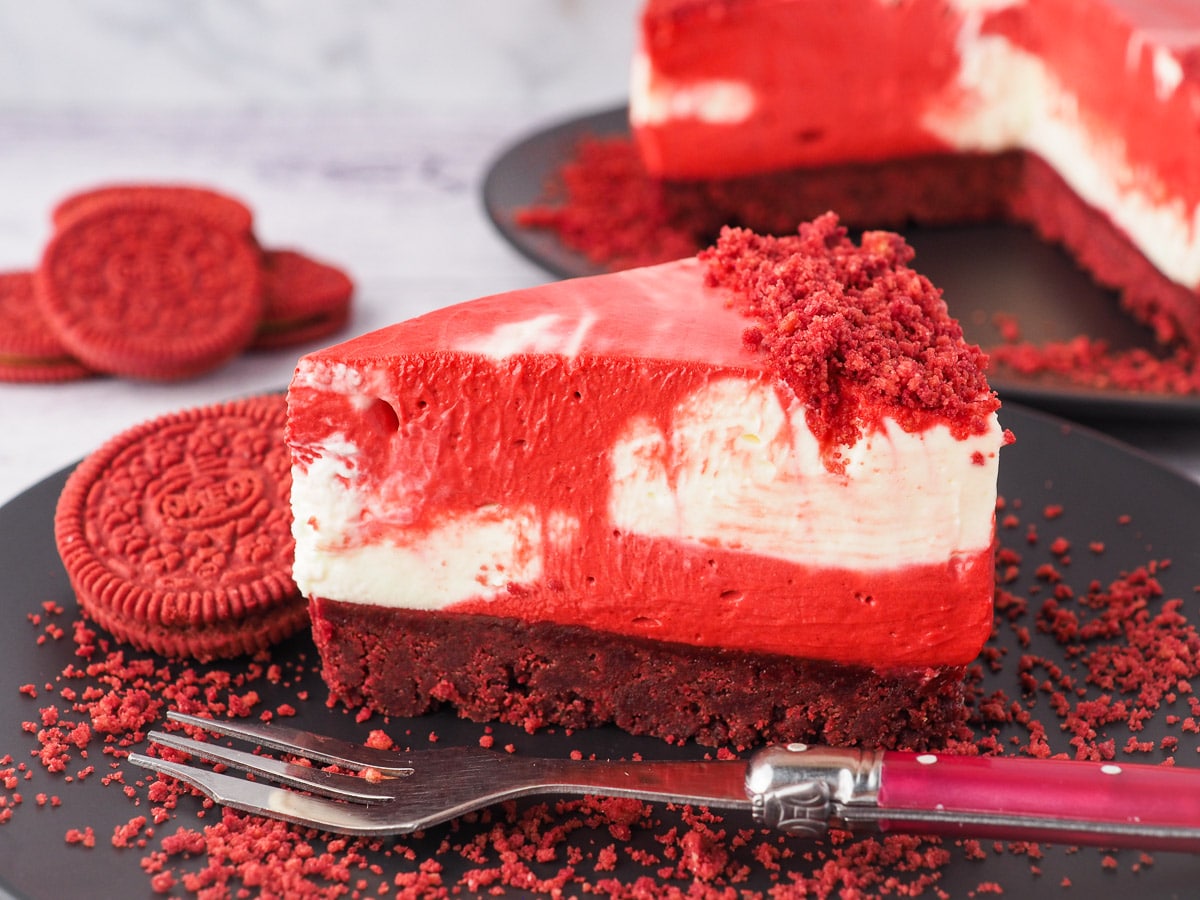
{"points": [[983, 270], [1096, 480]]}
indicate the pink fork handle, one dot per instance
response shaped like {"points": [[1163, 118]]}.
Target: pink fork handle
{"points": [[1051, 797]]}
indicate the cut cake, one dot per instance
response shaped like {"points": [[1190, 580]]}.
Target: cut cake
{"points": [[1080, 118]]}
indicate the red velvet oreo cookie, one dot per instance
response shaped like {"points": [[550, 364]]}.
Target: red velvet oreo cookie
{"points": [[221, 209], [176, 535], [147, 288], [303, 299], [30, 351]]}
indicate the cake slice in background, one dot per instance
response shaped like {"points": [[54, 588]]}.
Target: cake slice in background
{"points": [[738, 498]]}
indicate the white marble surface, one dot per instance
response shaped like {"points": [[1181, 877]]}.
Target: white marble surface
{"points": [[537, 55], [358, 130]]}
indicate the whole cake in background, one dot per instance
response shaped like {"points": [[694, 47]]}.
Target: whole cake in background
{"points": [[1078, 118], [737, 498]]}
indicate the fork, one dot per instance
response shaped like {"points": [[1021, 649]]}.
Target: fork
{"points": [[796, 788]]}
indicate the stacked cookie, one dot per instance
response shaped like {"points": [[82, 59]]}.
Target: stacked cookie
{"points": [[159, 282]]}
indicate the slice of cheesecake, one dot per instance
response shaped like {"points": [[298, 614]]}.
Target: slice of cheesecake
{"points": [[747, 496]]}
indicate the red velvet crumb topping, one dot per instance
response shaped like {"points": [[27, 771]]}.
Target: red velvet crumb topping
{"points": [[855, 332]]}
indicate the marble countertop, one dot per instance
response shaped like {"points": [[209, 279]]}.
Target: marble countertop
{"points": [[362, 138]]}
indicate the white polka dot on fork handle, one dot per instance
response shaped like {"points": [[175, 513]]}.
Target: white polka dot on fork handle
{"points": [[1110, 769]]}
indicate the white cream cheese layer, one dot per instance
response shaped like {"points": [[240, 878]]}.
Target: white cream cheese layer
{"points": [[734, 469], [476, 554], [739, 471]]}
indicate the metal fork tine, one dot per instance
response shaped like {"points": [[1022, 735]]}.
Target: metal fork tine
{"points": [[319, 747], [262, 799], [437, 785], [306, 778]]}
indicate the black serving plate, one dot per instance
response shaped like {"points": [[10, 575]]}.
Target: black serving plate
{"points": [[982, 269], [1109, 493]]}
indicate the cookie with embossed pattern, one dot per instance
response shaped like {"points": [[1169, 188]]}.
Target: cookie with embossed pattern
{"points": [[176, 534], [222, 209], [29, 350], [304, 298], [147, 288]]}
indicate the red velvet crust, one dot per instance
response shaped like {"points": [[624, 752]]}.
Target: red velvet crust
{"points": [[409, 662]]}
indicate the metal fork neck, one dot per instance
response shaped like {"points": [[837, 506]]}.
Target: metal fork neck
{"points": [[802, 790]]}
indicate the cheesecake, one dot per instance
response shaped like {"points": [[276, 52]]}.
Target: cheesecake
{"points": [[739, 497]]}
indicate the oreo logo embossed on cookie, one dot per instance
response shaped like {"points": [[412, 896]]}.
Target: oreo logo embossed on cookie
{"points": [[176, 535]]}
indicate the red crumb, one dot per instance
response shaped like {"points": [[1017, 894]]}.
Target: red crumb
{"points": [[1092, 363], [379, 740], [856, 333], [85, 838], [610, 209]]}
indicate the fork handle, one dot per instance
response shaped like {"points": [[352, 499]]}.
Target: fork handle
{"points": [[806, 790]]}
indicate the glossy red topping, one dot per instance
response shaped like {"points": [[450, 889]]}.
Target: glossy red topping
{"points": [[855, 332]]}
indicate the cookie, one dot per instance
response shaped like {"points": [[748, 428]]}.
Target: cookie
{"points": [[176, 535], [223, 210], [146, 288], [303, 299], [30, 351]]}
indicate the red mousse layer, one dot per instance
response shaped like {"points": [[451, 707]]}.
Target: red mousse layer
{"points": [[850, 92], [923, 615]]}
